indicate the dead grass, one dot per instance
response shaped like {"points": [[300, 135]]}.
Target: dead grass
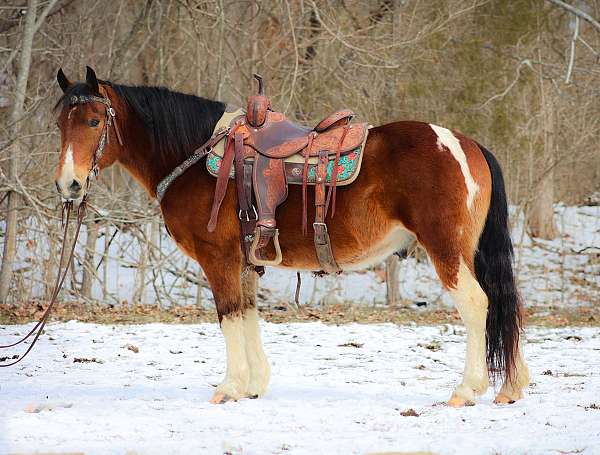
{"points": [[335, 314]]}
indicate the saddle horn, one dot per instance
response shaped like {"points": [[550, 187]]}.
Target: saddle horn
{"points": [[258, 105], [261, 85]]}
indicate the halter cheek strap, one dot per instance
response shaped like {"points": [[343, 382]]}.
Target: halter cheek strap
{"points": [[110, 119]]}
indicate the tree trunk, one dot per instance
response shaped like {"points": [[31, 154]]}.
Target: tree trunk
{"points": [[140, 275], [107, 237], [392, 282], [540, 220], [541, 214], [50, 264], [199, 288], [154, 257], [89, 269], [10, 235]]}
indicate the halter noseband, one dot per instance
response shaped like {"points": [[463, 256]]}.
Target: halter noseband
{"points": [[110, 120]]}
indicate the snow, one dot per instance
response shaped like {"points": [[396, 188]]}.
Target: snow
{"points": [[324, 397]]}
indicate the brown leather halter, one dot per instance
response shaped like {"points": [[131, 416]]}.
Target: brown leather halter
{"points": [[68, 208]]}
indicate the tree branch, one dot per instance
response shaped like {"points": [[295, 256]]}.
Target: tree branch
{"points": [[44, 13], [583, 15]]}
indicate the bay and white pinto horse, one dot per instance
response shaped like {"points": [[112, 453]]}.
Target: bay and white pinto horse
{"points": [[418, 182]]}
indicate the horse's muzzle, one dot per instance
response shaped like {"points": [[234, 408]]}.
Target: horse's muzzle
{"points": [[71, 192]]}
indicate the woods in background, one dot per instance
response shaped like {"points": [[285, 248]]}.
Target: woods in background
{"points": [[520, 76]]}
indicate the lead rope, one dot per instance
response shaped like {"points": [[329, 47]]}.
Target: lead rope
{"points": [[111, 120], [60, 278]]}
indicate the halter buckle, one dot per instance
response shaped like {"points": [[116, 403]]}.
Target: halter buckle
{"points": [[111, 111]]}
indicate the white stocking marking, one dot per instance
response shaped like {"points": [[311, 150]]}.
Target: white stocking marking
{"points": [[236, 378], [260, 371], [472, 303]]}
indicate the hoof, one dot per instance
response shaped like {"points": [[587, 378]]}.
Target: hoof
{"points": [[458, 402], [255, 390], [503, 399], [220, 398]]}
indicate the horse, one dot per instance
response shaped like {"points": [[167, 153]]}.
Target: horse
{"points": [[419, 182]]}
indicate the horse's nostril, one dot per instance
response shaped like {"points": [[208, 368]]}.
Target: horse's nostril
{"points": [[75, 186], [57, 185]]}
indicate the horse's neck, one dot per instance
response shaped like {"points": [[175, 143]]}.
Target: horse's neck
{"points": [[137, 155]]}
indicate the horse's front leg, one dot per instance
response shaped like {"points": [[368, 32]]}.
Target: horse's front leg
{"points": [[224, 277], [260, 370]]}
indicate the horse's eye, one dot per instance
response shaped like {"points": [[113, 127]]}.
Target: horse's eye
{"points": [[93, 122]]}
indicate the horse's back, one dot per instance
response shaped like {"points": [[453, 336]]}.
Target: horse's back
{"points": [[414, 177]]}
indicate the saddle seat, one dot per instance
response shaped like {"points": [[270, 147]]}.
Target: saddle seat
{"points": [[278, 137], [264, 152]]}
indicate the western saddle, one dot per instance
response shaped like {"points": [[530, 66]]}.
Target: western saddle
{"points": [[264, 152]]}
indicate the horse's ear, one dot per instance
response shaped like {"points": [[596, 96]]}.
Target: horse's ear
{"points": [[62, 80], [91, 80]]}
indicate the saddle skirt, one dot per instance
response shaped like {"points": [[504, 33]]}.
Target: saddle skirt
{"points": [[349, 162]]}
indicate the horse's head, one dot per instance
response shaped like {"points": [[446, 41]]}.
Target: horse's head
{"points": [[85, 120]]}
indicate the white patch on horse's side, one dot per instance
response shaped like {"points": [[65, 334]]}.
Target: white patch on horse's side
{"points": [[397, 239], [449, 140], [260, 370]]}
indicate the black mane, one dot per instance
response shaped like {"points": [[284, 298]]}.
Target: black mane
{"points": [[177, 123]]}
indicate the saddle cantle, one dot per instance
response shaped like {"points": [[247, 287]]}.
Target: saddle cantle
{"points": [[264, 152]]}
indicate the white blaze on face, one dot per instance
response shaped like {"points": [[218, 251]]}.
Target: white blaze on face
{"points": [[449, 140], [67, 172]]}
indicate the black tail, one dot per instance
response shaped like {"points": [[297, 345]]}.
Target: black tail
{"points": [[494, 271]]}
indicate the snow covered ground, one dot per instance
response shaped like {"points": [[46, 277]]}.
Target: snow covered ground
{"points": [[335, 390]]}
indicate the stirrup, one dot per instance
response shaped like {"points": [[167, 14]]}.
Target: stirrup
{"points": [[265, 262]]}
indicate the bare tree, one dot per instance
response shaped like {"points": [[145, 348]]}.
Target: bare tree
{"points": [[540, 219], [18, 108]]}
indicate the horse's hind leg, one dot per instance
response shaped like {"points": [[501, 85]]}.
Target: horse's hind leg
{"points": [[512, 391], [260, 371], [472, 304]]}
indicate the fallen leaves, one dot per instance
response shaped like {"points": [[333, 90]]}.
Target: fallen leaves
{"points": [[86, 360], [340, 313], [132, 348], [351, 344], [433, 346], [573, 338], [36, 408], [8, 357]]}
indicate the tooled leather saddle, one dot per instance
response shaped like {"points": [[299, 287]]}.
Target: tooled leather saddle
{"points": [[258, 145], [264, 152]]}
